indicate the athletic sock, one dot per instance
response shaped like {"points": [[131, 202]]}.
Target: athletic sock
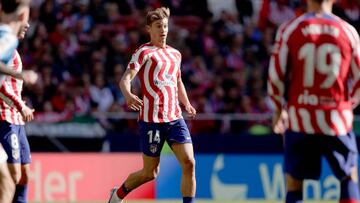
{"points": [[20, 195], [122, 191], [294, 197], [188, 199]]}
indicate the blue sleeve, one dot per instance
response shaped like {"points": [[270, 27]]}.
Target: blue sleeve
{"points": [[8, 44]]}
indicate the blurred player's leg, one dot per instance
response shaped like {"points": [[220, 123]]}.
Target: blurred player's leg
{"points": [[21, 188], [7, 186], [294, 193], [185, 155], [149, 172]]}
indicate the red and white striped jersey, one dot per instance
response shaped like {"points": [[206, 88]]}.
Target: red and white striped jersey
{"points": [[9, 110], [159, 71], [314, 72]]}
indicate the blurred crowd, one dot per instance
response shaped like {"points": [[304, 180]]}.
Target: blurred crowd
{"points": [[81, 49]]}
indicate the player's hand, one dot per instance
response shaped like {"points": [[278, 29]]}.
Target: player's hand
{"points": [[29, 76], [27, 114], [191, 111], [280, 121], [134, 102], [354, 102]]}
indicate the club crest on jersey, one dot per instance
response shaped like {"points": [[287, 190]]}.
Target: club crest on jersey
{"points": [[153, 148]]}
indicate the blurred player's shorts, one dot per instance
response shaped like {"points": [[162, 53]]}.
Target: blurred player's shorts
{"points": [[3, 156]]}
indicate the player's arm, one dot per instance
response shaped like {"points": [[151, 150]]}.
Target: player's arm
{"points": [[133, 101], [28, 76], [183, 98], [355, 71], [276, 81], [11, 99]]}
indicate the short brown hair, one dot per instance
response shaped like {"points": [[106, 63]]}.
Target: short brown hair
{"points": [[157, 14], [10, 6]]}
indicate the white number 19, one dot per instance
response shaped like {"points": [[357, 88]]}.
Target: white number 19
{"points": [[317, 58]]}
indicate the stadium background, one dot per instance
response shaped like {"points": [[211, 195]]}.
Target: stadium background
{"points": [[85, 139]]}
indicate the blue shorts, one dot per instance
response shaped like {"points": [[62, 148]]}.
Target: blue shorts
{"points": [[303, 154], [153, 135], [14, 141]]}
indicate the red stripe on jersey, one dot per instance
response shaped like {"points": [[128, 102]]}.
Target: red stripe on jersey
{"points": [[160, 112], [155, 88], [146, 95], [314, 121], [143, 53], [132, 65], [169, 90], [331, 124], [151, 83], [14, 87]]}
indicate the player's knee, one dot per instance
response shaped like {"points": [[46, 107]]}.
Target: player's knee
{"points": [[16, 176], [25, 176], [354, 174], [151, 174], [293, 184], [188, 165]]}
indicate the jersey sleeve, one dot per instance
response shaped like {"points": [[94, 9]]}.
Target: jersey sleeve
{"points": [[138, 59], [277, 69], [8, 95], [8, 44], [355, 67]]}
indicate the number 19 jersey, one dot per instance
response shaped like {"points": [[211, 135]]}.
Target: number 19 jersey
{"points": [[314, 71]]}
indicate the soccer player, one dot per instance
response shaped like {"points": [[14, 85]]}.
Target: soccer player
{"points": [[160, 118], [13, 111], [314, 83]]}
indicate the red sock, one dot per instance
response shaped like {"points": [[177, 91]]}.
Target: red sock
{"points": [[122, 191], [349, 201]]}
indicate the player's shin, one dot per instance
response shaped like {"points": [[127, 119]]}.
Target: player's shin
{"points": [[21, 194], [349, 192]]}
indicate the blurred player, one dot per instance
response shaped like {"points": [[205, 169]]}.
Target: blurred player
{"points": [[160, 119], [314, 78], [13, 111], [7, 187]]}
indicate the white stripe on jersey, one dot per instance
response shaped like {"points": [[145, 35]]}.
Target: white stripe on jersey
{"points": [[293, 119], [274, 77], [336, 119], [284, 50], [173, 90], [349, 118], [306, 121], [159, 56], [151, 92], [320, 120], [145, 110]]}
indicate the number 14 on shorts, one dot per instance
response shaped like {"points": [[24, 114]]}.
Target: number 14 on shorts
{"points": [[154, 136]]}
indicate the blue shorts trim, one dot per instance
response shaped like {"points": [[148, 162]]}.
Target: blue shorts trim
{"points": [[14, 141], [303, 154], [154, 135]]}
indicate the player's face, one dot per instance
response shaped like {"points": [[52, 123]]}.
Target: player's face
{"points": [[24, 22], [158, 31]]}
